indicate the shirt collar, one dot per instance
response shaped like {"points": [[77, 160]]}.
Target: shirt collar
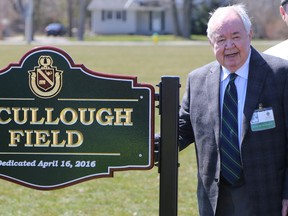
{"points": [[241, 72]]}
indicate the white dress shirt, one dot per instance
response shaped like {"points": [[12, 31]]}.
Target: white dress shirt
{"points": [[241, 85]]}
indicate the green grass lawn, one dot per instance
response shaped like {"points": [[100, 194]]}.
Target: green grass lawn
{"points": [[129, 193]]}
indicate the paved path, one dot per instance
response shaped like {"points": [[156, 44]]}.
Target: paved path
{"points": [[46, 41], [43, 40]]}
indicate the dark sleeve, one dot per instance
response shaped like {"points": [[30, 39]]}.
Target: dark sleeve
{"points": [[285, 99], [186, 135]]}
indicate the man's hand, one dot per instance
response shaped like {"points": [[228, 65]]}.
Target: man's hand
{"points": [[157, 141], [284, 207]]}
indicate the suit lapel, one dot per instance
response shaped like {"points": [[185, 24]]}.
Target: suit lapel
{"points": [[213, 92], [256, 80]]}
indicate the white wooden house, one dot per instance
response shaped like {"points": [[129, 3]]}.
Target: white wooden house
{"points": [[143, 17]]}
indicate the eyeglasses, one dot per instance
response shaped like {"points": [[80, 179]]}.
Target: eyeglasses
{"points": [[284, 2]]}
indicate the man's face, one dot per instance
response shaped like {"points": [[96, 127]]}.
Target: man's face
{"points": [[230, 41]]}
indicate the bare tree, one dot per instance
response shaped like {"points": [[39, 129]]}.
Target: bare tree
{"points": [[29, 21], [25, 8], [177, 31], [70, 17], [187, 10], [18, 6], [81, 22]]}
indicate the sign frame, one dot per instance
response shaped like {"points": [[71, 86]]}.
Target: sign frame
{"points": [[61, 54]]}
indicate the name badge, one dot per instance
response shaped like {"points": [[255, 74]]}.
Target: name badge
{"points": [[262, 119]]}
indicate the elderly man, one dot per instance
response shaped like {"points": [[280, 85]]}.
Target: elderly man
{"points": [[235, 110]]}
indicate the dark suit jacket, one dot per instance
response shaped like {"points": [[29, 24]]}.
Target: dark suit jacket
{"points": [[264, 153]]}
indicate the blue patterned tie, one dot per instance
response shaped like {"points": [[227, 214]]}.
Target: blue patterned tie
{"points": [[231, 166]]}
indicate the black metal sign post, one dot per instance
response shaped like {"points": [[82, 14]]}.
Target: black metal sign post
{"points": [[168, 163]]}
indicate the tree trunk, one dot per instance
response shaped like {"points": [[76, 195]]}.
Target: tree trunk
{"points": [[81, 23], [187, 10], [29, 21], [177, 31], [70, 18]]}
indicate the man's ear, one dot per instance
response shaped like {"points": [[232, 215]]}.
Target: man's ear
{"points": [[210, 41], [250, 34], [282, 12]]}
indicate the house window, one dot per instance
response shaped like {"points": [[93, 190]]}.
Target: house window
{"points": [[118, 15], [106, 15], [109, 15], [121, 15]]}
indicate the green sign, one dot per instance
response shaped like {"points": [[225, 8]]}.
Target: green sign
{"points": [[61, 123]]}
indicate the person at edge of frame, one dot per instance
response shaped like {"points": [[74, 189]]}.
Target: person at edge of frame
{"points": [[281, 49], [261, 187]]}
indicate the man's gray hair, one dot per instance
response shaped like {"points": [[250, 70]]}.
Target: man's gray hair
{"points": [[240, 10]]}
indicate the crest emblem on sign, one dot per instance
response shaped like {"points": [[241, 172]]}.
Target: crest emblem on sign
{"points": [[45, 80]]}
